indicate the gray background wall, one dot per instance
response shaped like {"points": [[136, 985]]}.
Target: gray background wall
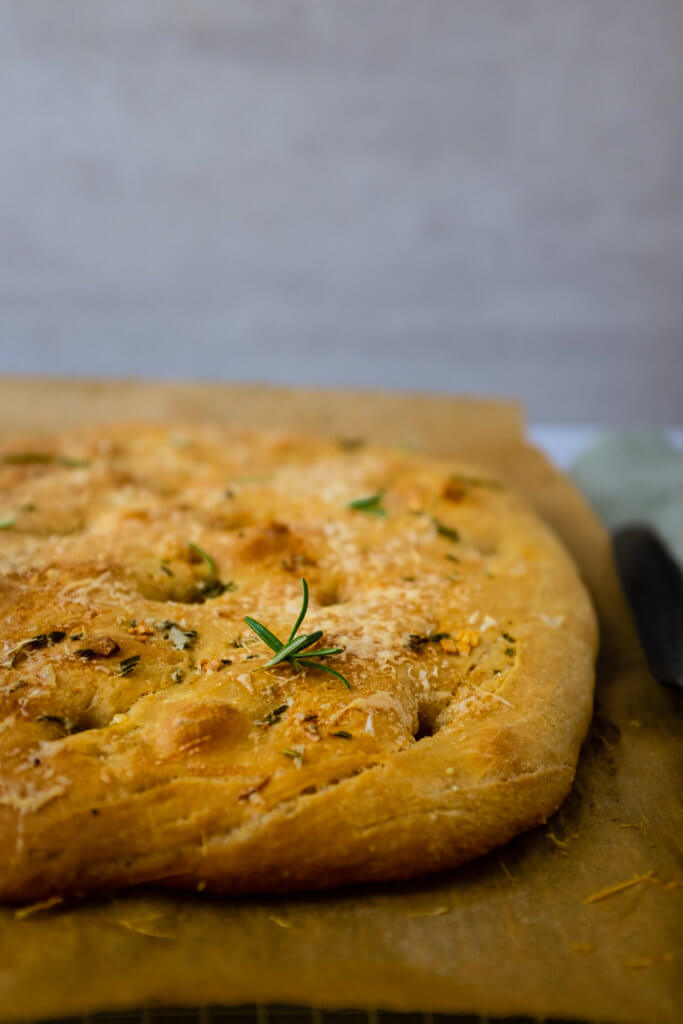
{"points": [[462, 195]]}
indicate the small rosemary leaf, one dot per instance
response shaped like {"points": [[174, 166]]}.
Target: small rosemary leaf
{"points": [[264, 634], [372, 504], [290, 649], [205, 557], [330, 671], [302, 613], [322, 652], [446, 531], [294, 754], [6, 523], [343, 735]]}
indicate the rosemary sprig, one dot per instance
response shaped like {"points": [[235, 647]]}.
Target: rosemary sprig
{"points": [[372, 504], [294, 650]]}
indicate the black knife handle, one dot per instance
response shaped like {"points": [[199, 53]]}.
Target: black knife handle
{"points": [[653, 583]]}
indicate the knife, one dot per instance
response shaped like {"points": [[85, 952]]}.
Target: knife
{"points": [[653, 583]]}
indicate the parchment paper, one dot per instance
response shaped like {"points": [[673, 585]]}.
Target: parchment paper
{"points": [[510, 934]]}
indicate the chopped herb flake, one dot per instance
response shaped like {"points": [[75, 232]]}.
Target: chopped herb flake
{"points": [[273, 717], [446, 531], [343, 735], [5, 524], [31, 644], [128, 665], [372, 504], [416, 641]]}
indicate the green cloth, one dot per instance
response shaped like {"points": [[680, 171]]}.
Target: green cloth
{"points": [[635, 477]]}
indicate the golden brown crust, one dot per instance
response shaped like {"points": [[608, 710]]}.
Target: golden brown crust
{"points": [[140, 736]]}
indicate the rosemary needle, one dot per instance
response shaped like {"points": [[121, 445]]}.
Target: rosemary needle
{"points": [[372, 504], [205, 557]]}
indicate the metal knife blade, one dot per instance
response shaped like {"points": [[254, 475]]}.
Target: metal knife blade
{"points": [[653, 583]]}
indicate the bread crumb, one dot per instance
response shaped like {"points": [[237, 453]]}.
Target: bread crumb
{"points": [[463, 642], [34, 908], [141, 629], [436, 912], [280, 921], [612, 890]]}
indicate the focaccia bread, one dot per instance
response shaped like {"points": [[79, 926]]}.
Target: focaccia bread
{"points": [[143, 736]]}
